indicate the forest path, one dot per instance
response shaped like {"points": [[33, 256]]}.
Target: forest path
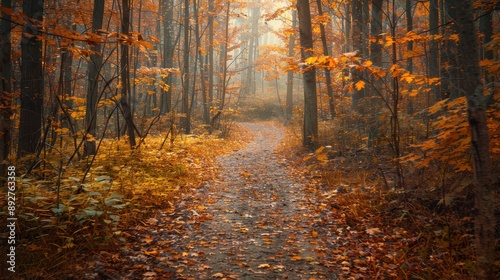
{"points": [[255, 222]]}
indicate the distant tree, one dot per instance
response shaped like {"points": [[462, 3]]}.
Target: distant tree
{"points": [[289, 83], [310, 129], [32, 88], [186, 118]]}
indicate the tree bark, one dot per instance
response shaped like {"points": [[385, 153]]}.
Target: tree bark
{"points": [[310, 129], [433, 47], [94, 69], [31, 80], [328, 79], [289, 83], [357, 41], [484, 185], [185, 119], [168, 53], [125, 74]]}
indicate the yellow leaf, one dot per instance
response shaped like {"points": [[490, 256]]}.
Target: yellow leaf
{"points": [[264, 265], [360, 85], [320, 149], [311, 60]]}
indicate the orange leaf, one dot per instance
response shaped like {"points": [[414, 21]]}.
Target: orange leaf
{"points": [[296, 258], [359, 85]]}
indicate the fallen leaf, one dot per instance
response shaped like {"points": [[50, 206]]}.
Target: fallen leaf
{"points": [[373, 231], [218, 275], [264, 265], [296, 258]]}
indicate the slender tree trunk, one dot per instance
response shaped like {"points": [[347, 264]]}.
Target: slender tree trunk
{"points": [[357, 40], [223, 64], [168, 53], [450, 60], [328, 79], [31, 80], [210, 53], [206, 109], [94, 69], [484, 185], [376, 59], [289, 83], [310, 130], [409, 61], [185, 119], [5, 88], [125, 74], [433, 46]]}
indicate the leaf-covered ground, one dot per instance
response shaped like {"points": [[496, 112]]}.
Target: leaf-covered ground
{"points": [[254, 221], [264, 216]]}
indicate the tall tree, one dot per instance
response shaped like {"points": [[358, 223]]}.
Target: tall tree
{"points": [[31, 79], [433, 61], [451, 76], [310, 129], [210, 54], [357, 31], [94, 69], [484, 185], [328, 79], [125, 74], [186, 119], [5, 87], [167, 7], [289, 83]]}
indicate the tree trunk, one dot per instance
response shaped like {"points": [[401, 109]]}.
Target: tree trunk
{"points": [[125, 74], [5, 89], [310, 130], [168, 53], [328, 79], [433, 47], [449, 59], [409, 61], [289, 83], [31, 80], [203, 76], [357, 40], [376, 91], [94, 69], [484, 185], [185, 119], [210, 53]]}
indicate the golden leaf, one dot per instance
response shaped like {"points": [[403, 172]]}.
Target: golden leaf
{"points": [[359, 85]]}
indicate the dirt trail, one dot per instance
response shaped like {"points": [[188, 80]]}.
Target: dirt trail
{"points": [[259, 224]]}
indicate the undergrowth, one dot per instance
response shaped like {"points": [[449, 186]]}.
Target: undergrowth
{"points": [[63, 215], [422, 231]]}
